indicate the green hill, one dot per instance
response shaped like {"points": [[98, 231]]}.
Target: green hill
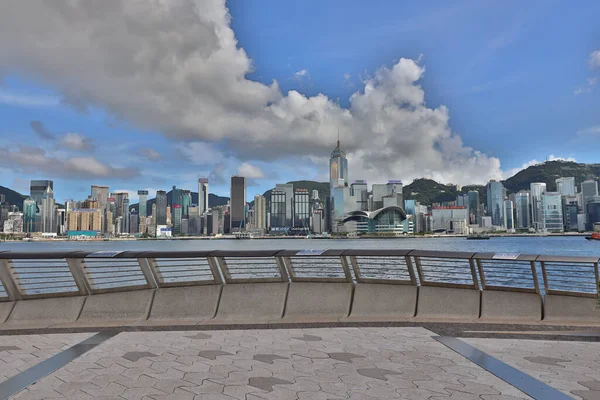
{"points": [[548, 171], [13, 198]]}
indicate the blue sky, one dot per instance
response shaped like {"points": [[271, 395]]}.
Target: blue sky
{"points": [[485, 86]]}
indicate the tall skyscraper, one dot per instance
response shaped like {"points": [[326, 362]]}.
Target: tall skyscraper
{"points": [[260, 212], [176, 196], [589, 189], [552, 212], [203, 195], [566, 186], [37, 189], [473, 200], [100, 193], [48, 214], [523, 206], [161, 208], [495, 200], [288, 188], [177, 216], [338, 168], [186, 202], [143, 206], [238, 203], [359, 190], [302, 209], [29, 211], [509, 222], [277, 210], [537, 190]]}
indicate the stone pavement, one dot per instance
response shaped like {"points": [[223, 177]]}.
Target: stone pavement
{"points": [[322, 363]]}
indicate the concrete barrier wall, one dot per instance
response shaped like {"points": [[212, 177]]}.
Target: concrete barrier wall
{"points": [[185, 304], [116, 308], [510, 306], [452, 304], [316, 301], [375, 301], [45, 312], [252, 302], [570, 310]]}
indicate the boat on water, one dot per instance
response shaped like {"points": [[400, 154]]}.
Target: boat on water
{"points": [[478, 237], [243, 235], [593, 236]]}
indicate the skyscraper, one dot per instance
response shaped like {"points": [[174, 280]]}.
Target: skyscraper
{"points": [[48, 214], [288, 188], [566, 186], [38, 188], [523, 206], [589, 189], [260, 212], [552, 212], [238, 203], [177, 214], [143, 210], [302, 209], [161, 208], [359, 190], [495, 199], [338, 168], [203, 195], [176, 196], [186, 202], [100, 193], [537, 190], [277, 208], [473, 200], [29, 211], [509, 222]]}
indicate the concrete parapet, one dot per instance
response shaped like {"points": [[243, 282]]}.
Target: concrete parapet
{"points": [[250, 302], [45, 312], [506, 306], [377, 302], [571, 310], [120, 308], [452, 304], [318, 301], [185, 304]]}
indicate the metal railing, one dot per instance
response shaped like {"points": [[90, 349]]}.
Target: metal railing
{"points": [[25, 275]]}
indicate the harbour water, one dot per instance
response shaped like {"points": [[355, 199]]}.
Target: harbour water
{"points": [[549, 245]]}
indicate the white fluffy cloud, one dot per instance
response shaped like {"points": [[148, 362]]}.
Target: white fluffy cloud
{"points": [[250, 171], [76, 141], [595, 59], [175, 66]]}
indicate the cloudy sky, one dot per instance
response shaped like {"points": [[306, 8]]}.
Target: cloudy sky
{"points": [[151, 94]]}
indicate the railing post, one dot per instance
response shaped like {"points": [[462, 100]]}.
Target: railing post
{"points": [[9, 281], [481, 273], [474, 273], [419, 270], [79, 276], [536, 283], [356, 268], [411, 270], [545, 276], [290, 268], [282, 269], [149, 270], [222, 264], [346, 269]]}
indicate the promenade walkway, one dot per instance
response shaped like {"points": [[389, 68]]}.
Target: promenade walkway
{"points": [[318, 363]]}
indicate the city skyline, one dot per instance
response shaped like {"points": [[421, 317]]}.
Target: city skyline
{"points": [[455, 106]]}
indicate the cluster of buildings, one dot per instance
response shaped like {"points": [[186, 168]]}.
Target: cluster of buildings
{"points": [[286, 210]]}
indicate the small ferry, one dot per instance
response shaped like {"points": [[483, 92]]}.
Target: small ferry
{"points": [[478, 237], [593, 236]]}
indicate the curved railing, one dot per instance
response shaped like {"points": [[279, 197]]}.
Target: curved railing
{"points": [[496, 286]]}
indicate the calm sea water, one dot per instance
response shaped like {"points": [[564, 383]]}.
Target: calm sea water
{"points": [[551, 245]]}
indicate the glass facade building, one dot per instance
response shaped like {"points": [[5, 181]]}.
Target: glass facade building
{"points": [[552, 212], [277, 208], [523, 205], [359, 190], [537, 189], [238, 203], [302, 209], [186, 202], [566, 186], [177, 216], [338, 168], [161, 207], [29, 211], [202, 195], [495, 199], [37, 189], [143, 205], [509, 222]]}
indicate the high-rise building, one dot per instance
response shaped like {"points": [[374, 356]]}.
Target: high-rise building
{"points": [[552, 212], [186, 202], [463, 200], [338, 168], [260, 212], [238, 203], [359, 190], [176, 196], [277, 210], [177, 216], [203, 195], [100, 193], [537, 189], [161, 207], [29, 211], [37, 189], [134, 221], [570, 212], [473, 206], [509, 222], [288, 188], [48, 215], [315, 194], [589, 189], [566, 186], [302, 209], [495, 199], [523, 206], [143, 204]]}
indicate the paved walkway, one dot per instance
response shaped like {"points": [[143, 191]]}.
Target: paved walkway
{"points": [[324, 363]]}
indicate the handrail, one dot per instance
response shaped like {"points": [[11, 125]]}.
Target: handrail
{"points": [[26, 275]]}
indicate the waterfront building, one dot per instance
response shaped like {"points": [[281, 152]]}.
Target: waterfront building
{"points": [[37, 188], [523, 206], [176, 197], [495, 199], [238, 204], [177, 216], [570, 212], [338, 168], [186, 202], [537, 189], [288, 188], [161, 208], [384, 220], [486, 222], [581, 222], [593, 214], [260, 212], [47, 211], [203, 195], [552, 212], [473, 201], [566, 186], [13, 223], [302, 209], [589, 189], [509, 222], [359, 190], [463, 200], [134, 222], [29, 211], [143, 204], [100, 193], [446, 217], [277, 210]]}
